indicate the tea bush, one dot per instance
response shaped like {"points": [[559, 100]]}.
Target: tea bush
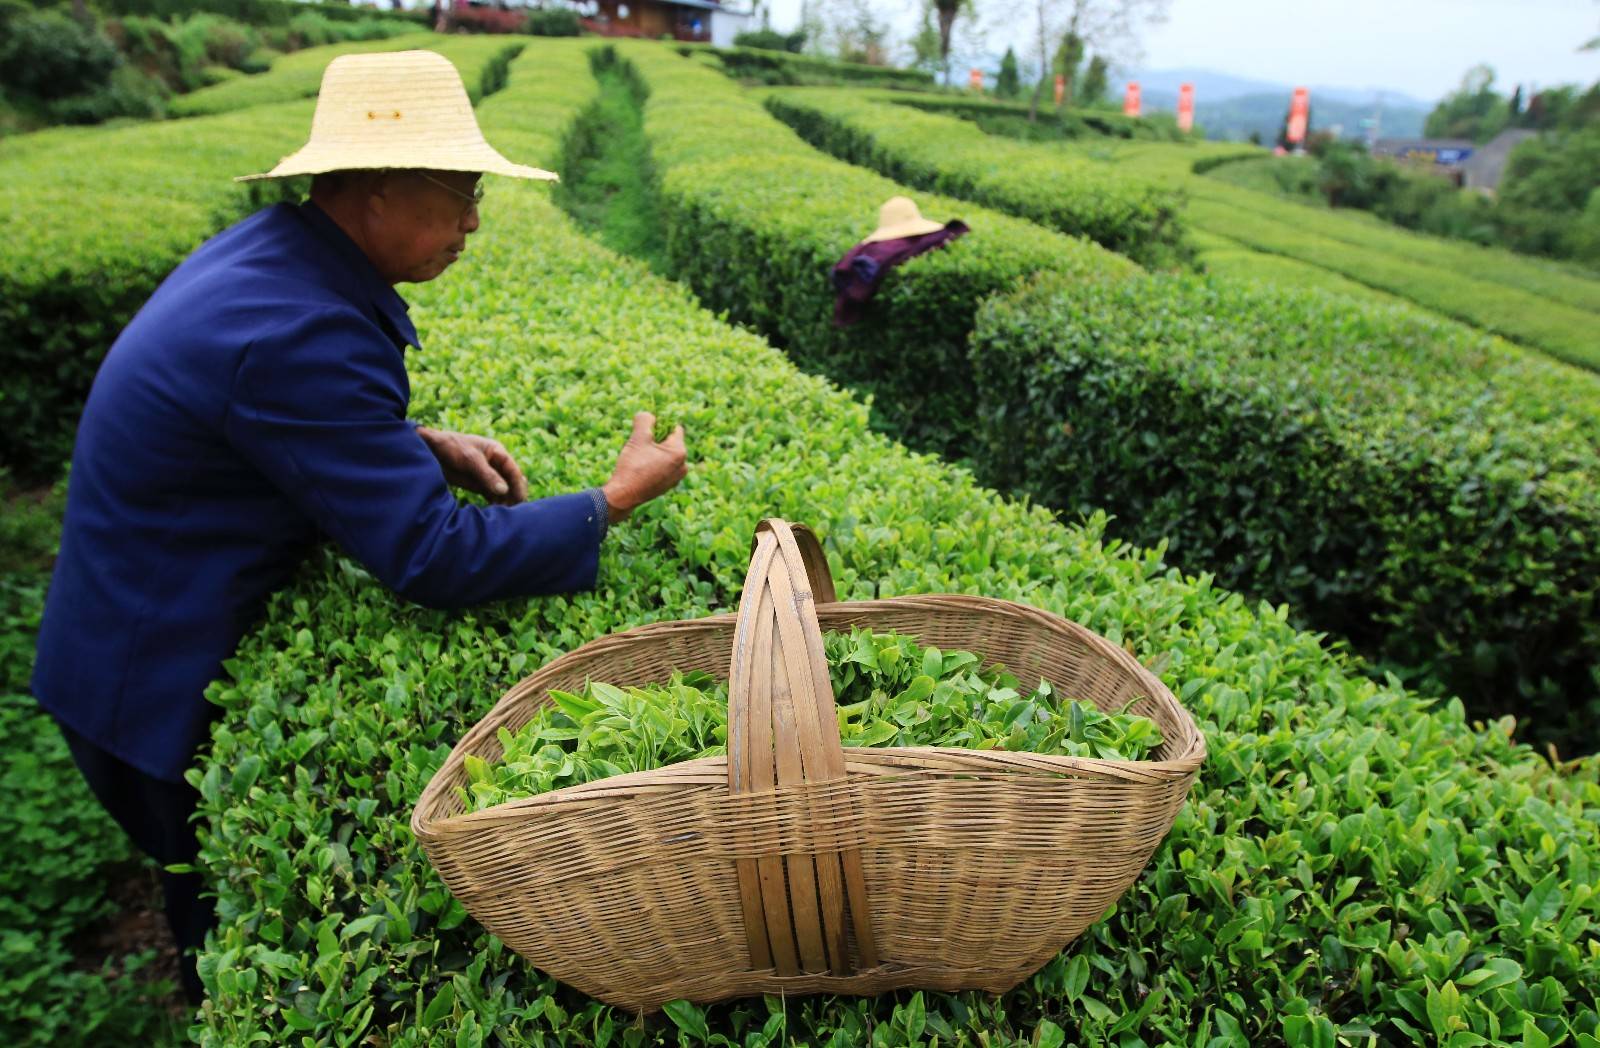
{"points": [[782, 67], [62, 849], [98, 216], [1356, 861], [755, 219], [941, 154], [1219, 256], [292, 76], [1410, 484], [1539, 304], [1047, 122]]}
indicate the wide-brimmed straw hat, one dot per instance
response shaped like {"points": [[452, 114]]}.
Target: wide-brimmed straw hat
{"points": [[899, 217], [395, 109]]}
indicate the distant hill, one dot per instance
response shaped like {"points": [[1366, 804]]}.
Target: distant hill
{"points": [[1230, 107]]}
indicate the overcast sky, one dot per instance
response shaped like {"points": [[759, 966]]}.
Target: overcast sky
{"points": [[1420, 47]]}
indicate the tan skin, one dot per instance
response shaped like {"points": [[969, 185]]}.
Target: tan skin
{"points": [[413, 230]]}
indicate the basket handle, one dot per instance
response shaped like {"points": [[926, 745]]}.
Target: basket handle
{"points": [[783, 731]]}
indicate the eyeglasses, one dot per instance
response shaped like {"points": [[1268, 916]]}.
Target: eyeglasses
{"points": [[473, 198]]}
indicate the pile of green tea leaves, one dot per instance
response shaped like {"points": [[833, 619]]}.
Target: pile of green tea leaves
{"points": [[889, 692]]}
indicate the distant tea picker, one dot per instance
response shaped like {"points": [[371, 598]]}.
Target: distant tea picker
{"points": [[256, 404]]}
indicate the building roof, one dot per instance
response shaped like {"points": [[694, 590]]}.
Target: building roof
{"points": [[1482, 170]]}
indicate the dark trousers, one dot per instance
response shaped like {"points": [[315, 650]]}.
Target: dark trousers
{"points": [[155, 814]]}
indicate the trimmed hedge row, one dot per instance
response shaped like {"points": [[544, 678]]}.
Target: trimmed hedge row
{"points": [[1561, 282], [1504, 641], [292, 76], [1409, 484], [784, 67], [943, 154], [754, 220], [1353, 863], [62, 849], [1231, 260], [1506, 294], [1069, 123], [257, 12], [98, 217]]}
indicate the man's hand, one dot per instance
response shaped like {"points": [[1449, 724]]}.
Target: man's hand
{"points": [[646, 468], [477, 464]]}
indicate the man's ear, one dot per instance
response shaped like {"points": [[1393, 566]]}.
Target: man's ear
{"points": [[379, 198]]}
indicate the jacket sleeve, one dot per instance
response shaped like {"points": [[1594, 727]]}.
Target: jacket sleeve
{"points": [[319, 407]]}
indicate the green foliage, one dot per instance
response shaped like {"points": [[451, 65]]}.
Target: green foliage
{"points": [[61, 847], [299, 75], [944, 155], [607, 182], [256, 12], [552, 21], [755, 220], [127, 205], [49, 56], [1093, 85], [1010, 119], [767, 66], [1008, 82], [889, 692], [1353, 858], [1548, 183], [1408, 484], [772, 40], [1531, 301], [1474, 110]]}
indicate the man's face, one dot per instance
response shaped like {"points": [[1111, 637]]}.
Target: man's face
{"points": [[420, 222]]}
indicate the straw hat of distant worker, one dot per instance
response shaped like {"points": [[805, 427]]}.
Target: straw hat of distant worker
{"points": [[899, 217]]}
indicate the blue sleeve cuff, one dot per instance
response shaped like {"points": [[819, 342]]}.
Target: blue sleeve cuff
{"points": [[602, 513]]}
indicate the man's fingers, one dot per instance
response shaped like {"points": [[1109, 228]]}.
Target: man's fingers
{"points": [[674, 441], [507, 467], [493, 483], [644, 425]]}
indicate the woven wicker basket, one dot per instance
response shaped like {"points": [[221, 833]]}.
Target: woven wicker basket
{"points": [[795, 865]]}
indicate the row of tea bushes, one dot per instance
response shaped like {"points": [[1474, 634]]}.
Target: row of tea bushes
{"points": [[1564, 331], [754, 219], [62, 849], [1049, 122], [1513, 640], [783, 67], [1529, 301], [292, 76], [1355, 862], [99, 216], [942, 154], [1231, 260], [1417, 487]]}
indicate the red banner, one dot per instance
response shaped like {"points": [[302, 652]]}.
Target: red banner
{"points": [[1299, 116], [1130, 99], [1061, 88], [975, 80], [1185, 107]]}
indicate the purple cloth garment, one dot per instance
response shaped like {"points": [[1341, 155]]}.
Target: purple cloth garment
{"points": [[857, 275]]}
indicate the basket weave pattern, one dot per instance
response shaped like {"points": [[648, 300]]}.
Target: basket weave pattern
{"points": [[796, 865]]}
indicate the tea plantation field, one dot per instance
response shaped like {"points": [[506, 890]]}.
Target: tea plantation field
{"points": [[1336, 486]]}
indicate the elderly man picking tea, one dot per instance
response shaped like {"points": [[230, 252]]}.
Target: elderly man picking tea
{"points": [[258, 402]]}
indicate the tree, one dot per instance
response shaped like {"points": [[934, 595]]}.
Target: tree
{"points": [[1472, 111], [1069, 56], [925, 44], [1110, 27], [1008, 84], [1096, 80], [948, 11]]}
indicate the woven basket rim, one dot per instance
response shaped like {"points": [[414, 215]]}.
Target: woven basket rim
{"points": [[425, 823]]}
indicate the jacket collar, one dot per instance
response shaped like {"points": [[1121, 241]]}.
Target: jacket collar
{"points": [[368, 282]]}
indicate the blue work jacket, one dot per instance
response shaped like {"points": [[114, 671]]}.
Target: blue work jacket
{"points": [[256, 403]]}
